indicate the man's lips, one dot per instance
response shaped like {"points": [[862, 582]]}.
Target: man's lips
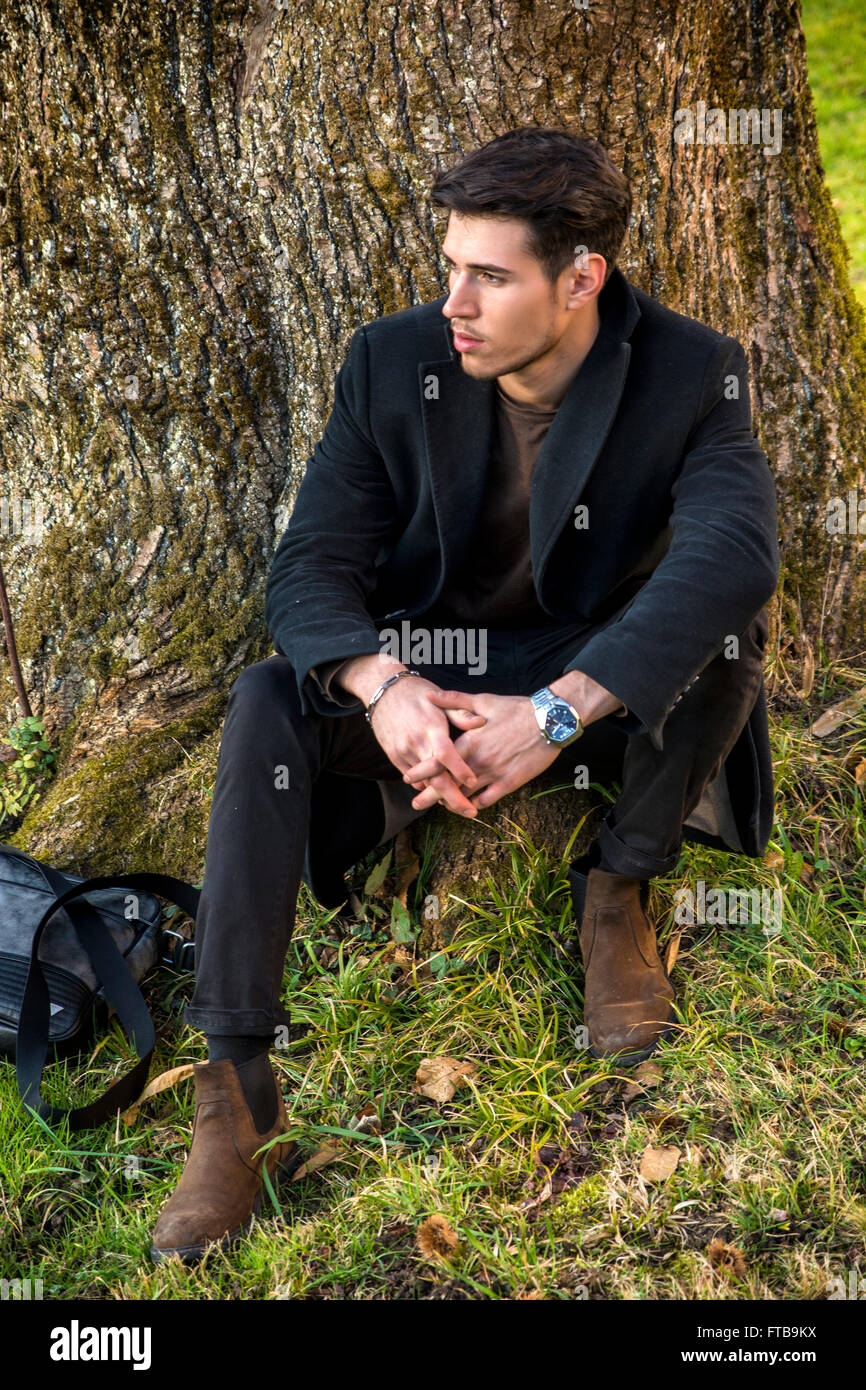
{"points": [[465, 339]]}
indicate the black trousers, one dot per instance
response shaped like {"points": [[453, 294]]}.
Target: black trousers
{"points": [[270, 756]]}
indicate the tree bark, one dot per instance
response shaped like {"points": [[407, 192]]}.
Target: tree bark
{"points": [[199, 206]]}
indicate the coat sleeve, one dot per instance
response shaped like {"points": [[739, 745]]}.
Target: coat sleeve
{"points": [[324, 567], [721, 566]]}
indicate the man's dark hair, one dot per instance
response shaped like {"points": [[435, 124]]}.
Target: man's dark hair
{"points": [[563, 185]]}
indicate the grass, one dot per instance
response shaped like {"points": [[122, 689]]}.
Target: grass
{"points": [[836, 58], [535, 1162]]}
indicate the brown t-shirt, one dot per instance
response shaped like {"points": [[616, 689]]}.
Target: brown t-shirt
{"points": [[494, 586]]}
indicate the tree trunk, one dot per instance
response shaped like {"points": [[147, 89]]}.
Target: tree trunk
{"points": [[199, 206]]}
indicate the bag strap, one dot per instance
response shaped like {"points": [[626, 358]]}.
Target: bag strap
{"points": [[117, 982]]}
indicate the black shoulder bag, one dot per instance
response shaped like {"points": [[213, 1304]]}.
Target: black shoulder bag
{"points": [[54, 983]]}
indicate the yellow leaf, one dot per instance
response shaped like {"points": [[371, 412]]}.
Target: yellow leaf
{"points": [[649, 1073], [837, 714], [658, 1164], [673, 951], [163, 1082], [326, 1154], [439, 1077], [808, 673]]}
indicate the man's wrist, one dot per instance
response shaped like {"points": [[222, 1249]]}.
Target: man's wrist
{"points": [[585, 695], [362, 675]]}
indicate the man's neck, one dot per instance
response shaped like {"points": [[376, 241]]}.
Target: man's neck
{"points": [[545, 382]]}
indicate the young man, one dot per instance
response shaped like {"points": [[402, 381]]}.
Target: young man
{"points": [[548, 457]]}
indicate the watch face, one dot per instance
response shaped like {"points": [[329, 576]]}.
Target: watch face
{"points": [[560, 723]]}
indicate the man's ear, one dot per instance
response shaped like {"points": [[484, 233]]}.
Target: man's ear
{"points": [[586, 278]]}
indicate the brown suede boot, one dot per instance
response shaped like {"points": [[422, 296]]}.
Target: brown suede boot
{"points": [[220, 1190], [627, 994]]}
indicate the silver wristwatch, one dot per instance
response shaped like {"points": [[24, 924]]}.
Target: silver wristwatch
{"points": [[558, 721]]}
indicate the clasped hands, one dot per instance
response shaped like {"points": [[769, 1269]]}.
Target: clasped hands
{"points": [[499, 749]]}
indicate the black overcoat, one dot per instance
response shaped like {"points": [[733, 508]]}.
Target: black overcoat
{"points": [[676, 552]]}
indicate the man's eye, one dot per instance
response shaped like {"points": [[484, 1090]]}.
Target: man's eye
{"points": [[482, 274]]}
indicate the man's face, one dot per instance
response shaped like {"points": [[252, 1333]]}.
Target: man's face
{"points": [[499, 295]]}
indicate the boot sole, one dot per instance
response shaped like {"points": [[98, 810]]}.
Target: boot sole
{"points": [[191, 1254], [631, 1059]]}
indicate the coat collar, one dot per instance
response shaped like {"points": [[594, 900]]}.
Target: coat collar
{"points": [[458, 426]]}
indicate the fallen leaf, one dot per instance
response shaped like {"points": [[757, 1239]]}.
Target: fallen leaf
{"points": [[436, 1238], [439, 1077], [543, 1195], [838, 714], [860, 774], [649, 1073], [159, 1083], [807, 872], [773, 859], [406, 864], [400, 956], [658, 1164], [808, 673], [673, 951], [366, 1121], [326, 1154], [377, 876], [728, 1259]]}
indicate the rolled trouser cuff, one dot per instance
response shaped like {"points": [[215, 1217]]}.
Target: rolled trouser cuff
{"points": [[237, 1022], [635, 863]]}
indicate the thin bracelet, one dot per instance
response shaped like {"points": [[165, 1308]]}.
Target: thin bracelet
{"points": [[383, 687]]}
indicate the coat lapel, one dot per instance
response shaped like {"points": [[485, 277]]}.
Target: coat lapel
{"points": [[458, 410], [573, 443], [458, 433]]}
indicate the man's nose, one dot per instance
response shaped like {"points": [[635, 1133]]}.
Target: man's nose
{"points": [[459, 302]]}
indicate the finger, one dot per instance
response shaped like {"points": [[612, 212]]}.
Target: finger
{"points": [[433, 767], [492, 792], [454, 699], [423, 771], [452, 762], [465, 719], [443, 789], [425, 799]]}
